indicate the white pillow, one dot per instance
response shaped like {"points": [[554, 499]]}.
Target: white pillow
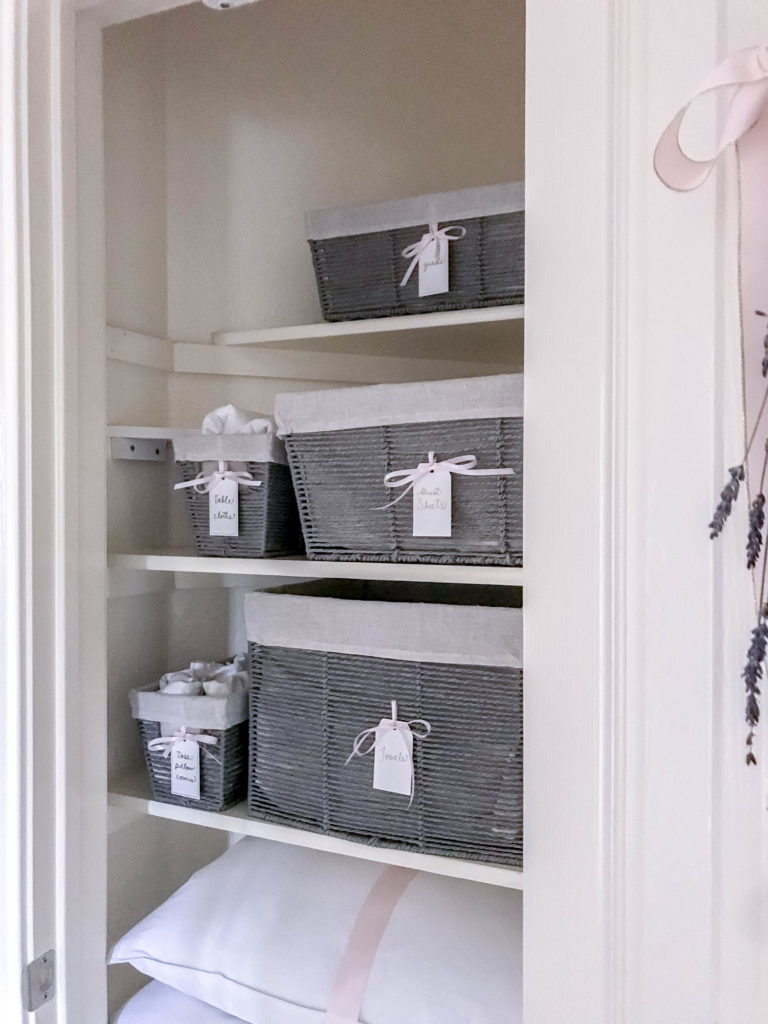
{"points": [[261, 931], [158, 1004]]}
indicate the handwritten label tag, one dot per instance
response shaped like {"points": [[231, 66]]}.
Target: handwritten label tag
{"points": [[433, 266], [185, 769], [393, 758], [432, 505], [223, 509]]}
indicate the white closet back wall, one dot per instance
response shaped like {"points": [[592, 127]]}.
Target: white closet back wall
{"points": [[221, 130]]}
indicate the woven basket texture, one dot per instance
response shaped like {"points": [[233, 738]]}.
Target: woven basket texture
{"points": [[358, 276], [223, 768], [307, 708], [338, 476], [268, 517]]}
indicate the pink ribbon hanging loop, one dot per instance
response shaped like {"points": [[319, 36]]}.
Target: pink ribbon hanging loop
{"points": [[745, 75]]}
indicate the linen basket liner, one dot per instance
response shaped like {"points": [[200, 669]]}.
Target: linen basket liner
{"points": [[177, 710], [396, 630], [463, 204], [264, 447], [469, 398]]}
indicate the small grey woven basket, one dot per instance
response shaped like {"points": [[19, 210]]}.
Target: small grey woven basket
{"points": [[269, 524], [341, 444], [223, 765], [359, 266], [308, 705]]}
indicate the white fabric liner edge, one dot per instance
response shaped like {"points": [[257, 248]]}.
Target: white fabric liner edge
{"points": [[201, 712], [400, 631], [264, 447], [416, 211], [466, 398]]}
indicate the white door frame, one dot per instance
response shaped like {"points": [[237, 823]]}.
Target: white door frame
{"points": [[645, 882], [13, 922], [643, 838]]}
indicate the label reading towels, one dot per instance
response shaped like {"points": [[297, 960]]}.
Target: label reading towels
{"points": [[185, 769], [393, 757], [432, 504], [223, 509]]}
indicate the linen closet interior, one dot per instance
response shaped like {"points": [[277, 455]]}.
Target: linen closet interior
{"points": [[221, 130]]}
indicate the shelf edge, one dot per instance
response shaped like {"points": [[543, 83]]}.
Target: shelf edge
{"points": [[238, 822]]}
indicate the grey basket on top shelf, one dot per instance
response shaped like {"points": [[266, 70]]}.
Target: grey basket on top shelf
{"points": [[269, 523], [357, 253], [223, 764], [341, 444], [327, 659]]}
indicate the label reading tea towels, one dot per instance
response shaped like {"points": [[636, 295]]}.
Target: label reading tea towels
{"points": [[393, 758], [185, 769], [432, 505], [223, 509]]}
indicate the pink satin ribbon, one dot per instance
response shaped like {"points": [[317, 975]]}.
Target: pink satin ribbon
{"points": [[348, 992], [745, 127]]}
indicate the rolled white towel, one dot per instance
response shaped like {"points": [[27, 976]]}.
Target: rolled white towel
{"points": [[183, 682], [228, 419]]}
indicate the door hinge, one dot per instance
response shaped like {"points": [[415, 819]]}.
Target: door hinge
{"points": [[38, 984]]}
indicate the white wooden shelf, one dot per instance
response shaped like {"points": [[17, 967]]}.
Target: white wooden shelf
{"points": [[280, 352], [183, 562], [491, 318], [151, 433], [130, 797]]}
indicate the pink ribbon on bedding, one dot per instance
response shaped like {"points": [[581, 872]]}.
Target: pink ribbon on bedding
{"points": [[745, 127], [351, 981]]}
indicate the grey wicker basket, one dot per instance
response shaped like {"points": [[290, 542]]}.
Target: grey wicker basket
{"points": [[342, 443], [223, 765], [359, 266], [269, 523], [324, 668]]}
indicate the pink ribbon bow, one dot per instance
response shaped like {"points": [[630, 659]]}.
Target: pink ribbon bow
{"points": [[745, 127], [463, 465], [203, 484], [433, 235]]}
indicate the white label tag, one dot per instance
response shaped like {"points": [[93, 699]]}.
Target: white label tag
{"points": [[393, 758], [223, 509], [433, 266], [185, 769], [432, 505]]}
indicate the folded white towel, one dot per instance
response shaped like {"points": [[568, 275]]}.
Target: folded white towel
{"points": [[209, 677], [228, 419]]}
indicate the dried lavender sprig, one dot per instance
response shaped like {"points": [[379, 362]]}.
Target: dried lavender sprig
{"points": [[728, 495], [755, 533], [757, 519], [752, 674], [759, 312]]}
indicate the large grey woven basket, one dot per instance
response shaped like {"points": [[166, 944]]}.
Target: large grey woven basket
{"points": [[359, 266], [341, 444], [223, 765], [325, 668], [269, 523]]}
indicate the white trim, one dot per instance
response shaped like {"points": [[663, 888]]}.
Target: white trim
{"points": [[141, 349], [333, 367], [13, 337], [83, 823]]}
